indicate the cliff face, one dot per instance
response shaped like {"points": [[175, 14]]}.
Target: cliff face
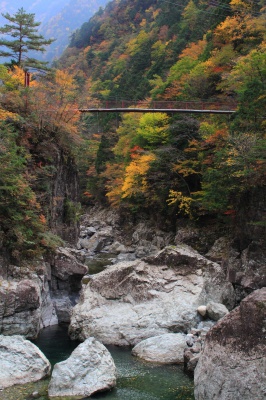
{"points": [[64, 198], [250, 222]]}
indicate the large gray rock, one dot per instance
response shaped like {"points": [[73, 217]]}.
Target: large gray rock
{"points": [[21, 362], [20, 311], [66, 264], [163, 349], [132, 301], [25, 301], [88, 370], [233, 362]]}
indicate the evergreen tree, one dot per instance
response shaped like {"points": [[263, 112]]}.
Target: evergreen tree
{"points": [[22, 29]]}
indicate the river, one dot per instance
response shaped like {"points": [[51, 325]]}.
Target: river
{"points": [[136, 380]]}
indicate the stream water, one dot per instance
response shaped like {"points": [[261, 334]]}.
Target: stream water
{"points": [[136, 380]]}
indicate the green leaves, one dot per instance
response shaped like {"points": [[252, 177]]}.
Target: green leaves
{"points": [[20, 215]]}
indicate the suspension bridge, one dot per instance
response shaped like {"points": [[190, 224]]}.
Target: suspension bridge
{"points": [[118, 106]]}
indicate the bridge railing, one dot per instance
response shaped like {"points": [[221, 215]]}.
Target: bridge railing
{"points": [[164, 104]]}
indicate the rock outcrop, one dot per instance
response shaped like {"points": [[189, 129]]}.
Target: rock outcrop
{"points": [[25, 302], [244, 262], [21, 362], [105, 231], [163, 349], [39, 295], [233, 362], [67, 272], [132, 301], [88, 370]]}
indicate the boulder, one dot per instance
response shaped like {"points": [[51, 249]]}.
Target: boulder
{"points": [[216, 311], [233, 361], [132, 301], [88, 370], [20, 311], [66, 265], [25, 301], [163, 349], [21, 362]]}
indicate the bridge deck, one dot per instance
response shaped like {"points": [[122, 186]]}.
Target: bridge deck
{"points": [[156, 110]]}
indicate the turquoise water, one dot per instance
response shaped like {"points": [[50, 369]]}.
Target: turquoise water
{"points": [[99, 262], [136, 380]]}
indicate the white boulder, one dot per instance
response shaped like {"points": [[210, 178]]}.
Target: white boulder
{"points": [[163, 349], [132, 301], [88, 370], [21, 362]]}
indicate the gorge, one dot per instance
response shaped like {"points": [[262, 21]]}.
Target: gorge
{"points": [[143, 233]]}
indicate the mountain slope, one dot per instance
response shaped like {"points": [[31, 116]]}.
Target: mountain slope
{"points": [[198, 51], [58, 19]]}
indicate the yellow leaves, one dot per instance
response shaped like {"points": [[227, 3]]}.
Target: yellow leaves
{"points": [[7, 114], [65, 83], [135, 175], [17, 74], [158, 49], [54, 104], [187, 167], [184, 202], [143, 23]]}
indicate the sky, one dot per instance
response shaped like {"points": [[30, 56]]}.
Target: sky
{"points": [[58, 19], [43, 9]]}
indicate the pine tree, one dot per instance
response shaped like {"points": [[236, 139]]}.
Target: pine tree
{"points": [[22, 29]]}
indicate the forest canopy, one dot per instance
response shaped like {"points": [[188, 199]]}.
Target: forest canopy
{"points": [[181, 165]]}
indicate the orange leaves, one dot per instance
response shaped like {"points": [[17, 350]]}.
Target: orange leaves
{"points": [[240, 30], [114, 175], [53, 104], [87, 194], [218, 138], [194, 50], [135, 151], [42, 219], [135, 175]]}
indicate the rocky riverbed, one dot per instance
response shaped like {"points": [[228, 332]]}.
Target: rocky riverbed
{"points": [[155, 284]]}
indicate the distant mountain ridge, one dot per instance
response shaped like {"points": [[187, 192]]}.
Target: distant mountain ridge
{"points": [[58, 19]]}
